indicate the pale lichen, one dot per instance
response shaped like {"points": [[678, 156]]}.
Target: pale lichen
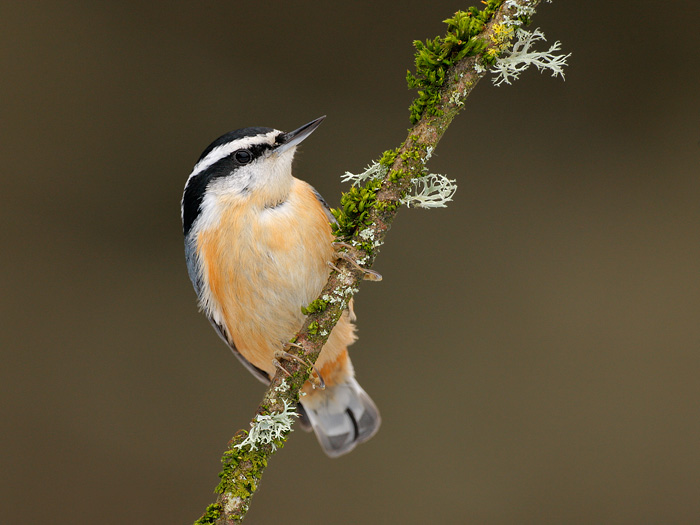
{"points": [[456, 99], [519, 10], [370, 237], [520, 56], [373, 171], [332, 299], [367, 234], [231, 503], [430, 191], [269, 428]]}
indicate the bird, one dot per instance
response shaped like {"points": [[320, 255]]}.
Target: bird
{"points": [[258, 243]]}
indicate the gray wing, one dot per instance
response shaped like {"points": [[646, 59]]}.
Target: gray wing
{"points": [[192, 265], [326, 208], [257, 372]]}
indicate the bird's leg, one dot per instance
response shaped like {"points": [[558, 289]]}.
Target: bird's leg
{"points": [[316, 382], [283, 354], [279, 366], [369, 275], [333, 267]]}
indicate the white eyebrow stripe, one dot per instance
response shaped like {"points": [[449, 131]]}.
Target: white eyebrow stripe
{"points": [[224, 150]]}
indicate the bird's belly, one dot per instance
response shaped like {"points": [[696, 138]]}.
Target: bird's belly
{"points": [[262, 266]]}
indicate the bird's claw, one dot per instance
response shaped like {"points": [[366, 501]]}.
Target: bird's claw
{"points": [[283, 354], [279, 366], [368, 275], [333, 267], [316, 381]]}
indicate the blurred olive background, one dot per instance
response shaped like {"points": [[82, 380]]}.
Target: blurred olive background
{"points": [[533, 348]]}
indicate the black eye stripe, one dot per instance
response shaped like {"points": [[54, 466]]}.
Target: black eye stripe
{"points": [[258, 150], [197, 185], [246, 155]]}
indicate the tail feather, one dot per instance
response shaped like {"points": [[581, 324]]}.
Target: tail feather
{"points": [[342, 416]]}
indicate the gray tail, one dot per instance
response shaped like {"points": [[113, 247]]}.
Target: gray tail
{"points": [[342, 416]]}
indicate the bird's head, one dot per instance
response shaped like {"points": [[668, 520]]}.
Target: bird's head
{"points": [[249, 163]]}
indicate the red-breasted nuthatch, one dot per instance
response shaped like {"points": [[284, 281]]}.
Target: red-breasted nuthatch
{"points": [[257, 243]]}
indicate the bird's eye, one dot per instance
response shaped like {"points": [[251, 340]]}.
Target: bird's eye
{"points": [[243, 156]]}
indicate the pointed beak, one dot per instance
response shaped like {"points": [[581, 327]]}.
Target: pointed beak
{"points": [[291, 139]]}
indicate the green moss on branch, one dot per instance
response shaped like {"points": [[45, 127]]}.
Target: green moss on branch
{"points": [[436, 56]]}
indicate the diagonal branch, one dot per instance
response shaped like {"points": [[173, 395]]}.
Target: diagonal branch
{"points": [[447, 69]]}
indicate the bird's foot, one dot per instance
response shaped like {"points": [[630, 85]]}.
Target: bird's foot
{"points": [[369, 275], [315, 378]]}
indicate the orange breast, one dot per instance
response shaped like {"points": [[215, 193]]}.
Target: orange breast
{"points": [[262, 265]]}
